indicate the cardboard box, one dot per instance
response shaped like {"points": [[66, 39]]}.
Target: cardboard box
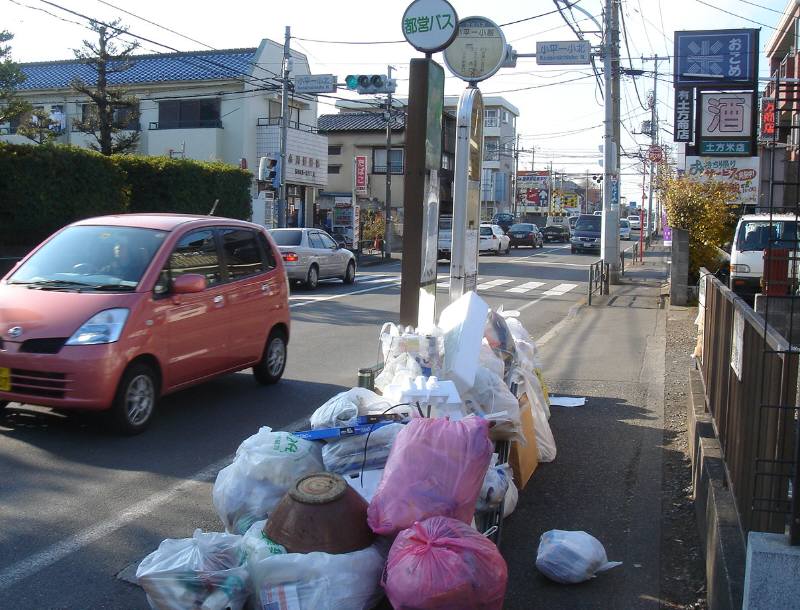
{"points": [[524, 459]]}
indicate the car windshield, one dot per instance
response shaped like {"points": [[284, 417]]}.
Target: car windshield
{"points": [[445, 224], [503, 218], [287, 237], [756, 235], [486, 230], [588, 223], [92, 258], [522, 227]]}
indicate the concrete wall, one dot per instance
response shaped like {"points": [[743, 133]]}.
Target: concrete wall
{"points": [[679, 268]]}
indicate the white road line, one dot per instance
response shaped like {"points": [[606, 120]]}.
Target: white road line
{"points": [[559, 290], [555, 264], [309, 301], [493, 284], [526, 287]]}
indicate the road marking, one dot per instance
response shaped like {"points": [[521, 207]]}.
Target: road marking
{"points": [[526, 287], [318, 299], [492, 284], [556, 264], [559, 290], [523, 258], [58, 551]]}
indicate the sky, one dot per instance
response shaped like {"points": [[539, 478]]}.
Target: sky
{"points": [[561, 112]]}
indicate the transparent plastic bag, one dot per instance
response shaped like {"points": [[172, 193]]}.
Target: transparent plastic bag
{"points": [[343, 409], [512, 497], [491, 361], [256, 546], [435, 467], [205, 571], [490, 398], [495, 486], [265, 466], [544, 434], [347, 454], [500, 339], [397, 369], [444, 564], [571, 557], [319, 581], [527, 353]]}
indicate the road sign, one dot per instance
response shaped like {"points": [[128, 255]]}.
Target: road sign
{"points": [[684, 116], [716, 58], [478, 50], [655, 154], [430, 25], [571, 52], [315, 83]]}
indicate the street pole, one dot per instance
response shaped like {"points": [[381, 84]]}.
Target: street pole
{"points": [[641, 211], [516, 174], [387, 232], [283, 203], [653, 141], [609, 240], [585, 207]]}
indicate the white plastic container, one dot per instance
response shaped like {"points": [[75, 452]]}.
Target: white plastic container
{"points": [[462, 324]]}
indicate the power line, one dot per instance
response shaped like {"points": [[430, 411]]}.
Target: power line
{"points": [[736, 15], [761, 6], [630, 61]]}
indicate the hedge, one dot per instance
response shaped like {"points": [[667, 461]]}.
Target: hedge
{"points": [[43, 188]]}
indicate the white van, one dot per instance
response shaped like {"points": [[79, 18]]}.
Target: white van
{"points": [[749, 242]]}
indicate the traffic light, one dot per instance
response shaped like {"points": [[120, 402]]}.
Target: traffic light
{"points": [[267, 168], [366, 84], [598, 178]]}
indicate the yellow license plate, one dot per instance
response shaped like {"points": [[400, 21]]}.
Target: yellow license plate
{"points": [[5, 379]]}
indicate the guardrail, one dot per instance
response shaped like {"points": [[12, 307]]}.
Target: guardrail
{"points": [[598, 279], [749, 374]]}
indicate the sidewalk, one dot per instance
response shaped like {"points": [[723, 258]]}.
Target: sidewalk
{"points": [[607, 476]]}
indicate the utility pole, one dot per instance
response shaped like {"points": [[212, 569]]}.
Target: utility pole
{"points": [[653, 141], [516, 177], [533, 157], [585, 207], [609, 240], [283, 203], [387, 232]]}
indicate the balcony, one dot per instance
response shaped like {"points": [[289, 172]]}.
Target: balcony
{"points": [[276, 122], [394, 168], [193, 124]]}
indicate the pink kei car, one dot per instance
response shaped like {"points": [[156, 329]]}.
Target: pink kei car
{"points": [[111, 313]]}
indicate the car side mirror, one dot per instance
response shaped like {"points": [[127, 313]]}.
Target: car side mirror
{"points": [[189, 283]]}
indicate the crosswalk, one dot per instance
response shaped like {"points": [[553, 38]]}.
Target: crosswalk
{"points": [[502, 285]]}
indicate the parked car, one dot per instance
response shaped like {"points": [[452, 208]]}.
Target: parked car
{"points": [[445, 239], [525, 234], [492, 239], [754, 233], [112, 313], [504, 220], [598, 213], [556, 233], [311, 255], [586, 236], [572, 220], [624, 229], [635, 222]]}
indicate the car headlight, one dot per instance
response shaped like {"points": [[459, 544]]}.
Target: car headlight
{"points": [[104, 327]]}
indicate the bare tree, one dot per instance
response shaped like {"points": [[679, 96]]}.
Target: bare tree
{"points": [[113, 110]]}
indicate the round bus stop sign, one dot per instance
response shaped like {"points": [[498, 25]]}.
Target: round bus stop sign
{"points": [[655, 154], [430, 25], [478, 50]]}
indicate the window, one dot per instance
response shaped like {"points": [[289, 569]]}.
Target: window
{"points": [[505, 116], [182, 114], [123, 118], [287, 237], [490, 117], [196, 252], [334, 150], [395, 161], [334, 169], [327, 242], [315, 241], [490, 151], [242, 253]]}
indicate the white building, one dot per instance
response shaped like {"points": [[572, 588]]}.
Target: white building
{"points": [[205, 105]]}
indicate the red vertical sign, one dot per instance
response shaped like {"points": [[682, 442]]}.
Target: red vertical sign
{"points": [[361, 175]]}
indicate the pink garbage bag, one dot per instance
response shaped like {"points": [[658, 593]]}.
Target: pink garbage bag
{"points": [[435, 468], [444, 564]]}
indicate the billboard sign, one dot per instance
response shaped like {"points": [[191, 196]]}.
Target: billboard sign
{"points": [[360, 175], [571, 52], [768, 130], [742, 172], [716, 58], [684, 116], [726, 115]]}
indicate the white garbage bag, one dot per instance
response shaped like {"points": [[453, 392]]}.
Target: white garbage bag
{"points": [[571, 557], [495, 486], [319, 581], [265, 466], [205, 571], [257, 546], [490, 398], [343, 409], [544, 435], [512, 497], [488, 359], [352, 453], [397, 369]]}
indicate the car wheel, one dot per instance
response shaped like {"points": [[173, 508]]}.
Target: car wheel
{"points": [[312, 279], [273, 361], [136, 399], [350, 273]]}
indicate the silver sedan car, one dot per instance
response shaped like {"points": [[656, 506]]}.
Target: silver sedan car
{"points": [[310, 255]]}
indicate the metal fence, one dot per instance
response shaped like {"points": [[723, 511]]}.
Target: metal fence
{"points": [[598, 279], [632, 253], [750, 378]]}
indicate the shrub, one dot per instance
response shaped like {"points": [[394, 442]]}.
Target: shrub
{"points": [[161, 184], [42, 188], [705, 211]]}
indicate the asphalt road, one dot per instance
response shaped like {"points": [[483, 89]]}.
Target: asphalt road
{"points": [[79, 505]]}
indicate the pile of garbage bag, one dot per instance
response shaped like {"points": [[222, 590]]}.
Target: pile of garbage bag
{"points": [[419, 454]]}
